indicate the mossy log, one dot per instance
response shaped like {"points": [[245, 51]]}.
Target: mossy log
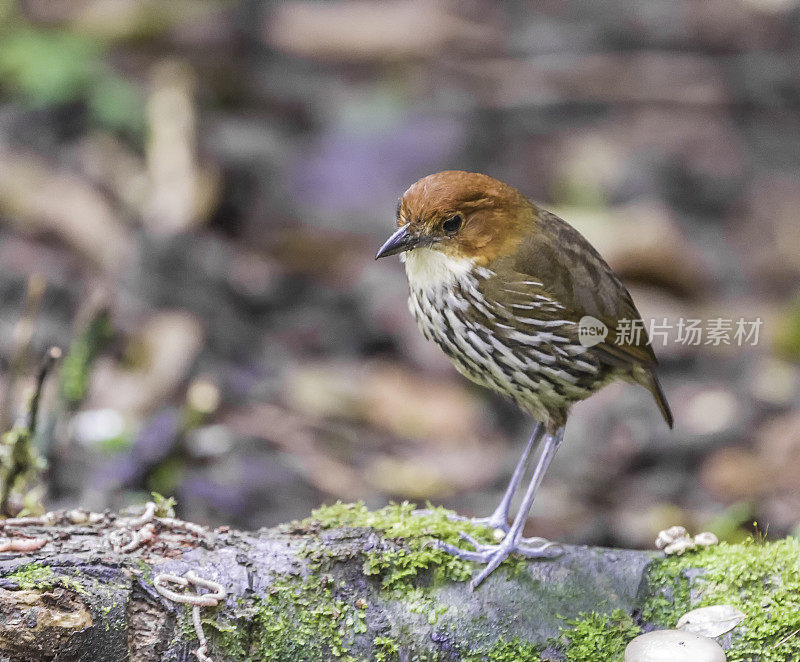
{"points": [[344, 584]]}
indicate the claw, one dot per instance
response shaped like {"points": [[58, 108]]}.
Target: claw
{"points": [[534, 540], [494, 555], [465, 554], [494, 559], [501, 552], [547, 550]]}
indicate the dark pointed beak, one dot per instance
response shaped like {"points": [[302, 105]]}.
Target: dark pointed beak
{"points": [[400, 241]]}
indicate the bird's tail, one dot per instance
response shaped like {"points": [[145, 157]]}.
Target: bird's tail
{"points": [[654, 386]]}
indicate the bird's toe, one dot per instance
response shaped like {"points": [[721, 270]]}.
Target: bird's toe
{"points": [[480, 554], [538, 548], [494, 555]]}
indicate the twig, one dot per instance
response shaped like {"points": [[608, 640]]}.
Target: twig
{"points": [[142, 529], [786, 638], [144, 518], [48, 519], [138, 538], [22, 544], [21, 453], [53, 355], [206, 600], [191, 527], [201, 636]]}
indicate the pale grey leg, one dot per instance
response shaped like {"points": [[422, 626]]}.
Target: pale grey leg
{"points": [[499, 518], [494, 555]]}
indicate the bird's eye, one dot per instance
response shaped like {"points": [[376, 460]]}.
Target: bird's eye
{"points": [[452, 224]]}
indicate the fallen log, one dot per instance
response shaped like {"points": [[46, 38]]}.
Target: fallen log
{"points": [[346, 584]]}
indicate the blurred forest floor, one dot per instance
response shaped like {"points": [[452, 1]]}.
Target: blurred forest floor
{"points": [[192, 193]]}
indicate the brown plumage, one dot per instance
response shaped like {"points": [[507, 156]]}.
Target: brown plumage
{"points": [[530, 270], [503, 288]]}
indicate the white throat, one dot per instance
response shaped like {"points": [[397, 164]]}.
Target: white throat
{"points": [[429, 269]]}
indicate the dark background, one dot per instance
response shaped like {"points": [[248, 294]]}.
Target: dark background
{"points": [[192, 193]]}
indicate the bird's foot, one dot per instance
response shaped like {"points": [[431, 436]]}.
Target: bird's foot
{"points": [[494, 555], [494, 521]]}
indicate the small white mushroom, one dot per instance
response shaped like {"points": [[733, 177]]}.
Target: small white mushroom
{"points": [[669, 536], [679, 546], [78, 516], [706, 539], [673, 646], [96, 518]]}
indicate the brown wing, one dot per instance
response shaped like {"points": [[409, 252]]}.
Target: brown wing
{"points": [[573, 273]]}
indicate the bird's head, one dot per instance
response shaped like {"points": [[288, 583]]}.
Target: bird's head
{"points": [[464, 215]]}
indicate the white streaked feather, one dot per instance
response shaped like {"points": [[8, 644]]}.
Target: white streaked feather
{"points": [[527, 365], [545, 323]]}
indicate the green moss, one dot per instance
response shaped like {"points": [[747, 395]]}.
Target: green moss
{"points": [[386, 649], [297, 619], [303, 621], [34, 575], [593, 637], [414, 533], [41, 577], [315, 619], [507, 651], [145, 570], [165, 506], [20, 467], [761, 579], [228, 637]]}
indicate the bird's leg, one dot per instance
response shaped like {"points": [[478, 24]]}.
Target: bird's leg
{"points": [[494, 555], [499, 518]]}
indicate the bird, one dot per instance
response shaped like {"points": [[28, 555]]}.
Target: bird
{"points": [[522, 304]]}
